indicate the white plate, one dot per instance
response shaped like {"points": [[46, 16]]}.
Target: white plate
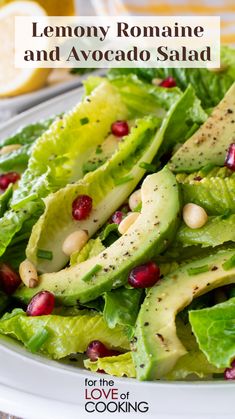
{"points": [[59, 81], [37, 388]]}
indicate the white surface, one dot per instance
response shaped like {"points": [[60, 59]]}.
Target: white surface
{"points": [[12, 106], [37, 388]]}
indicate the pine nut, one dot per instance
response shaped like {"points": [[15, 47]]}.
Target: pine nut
{"points": [[75, 242], [156, 82], [9, 148], [28, 274], [194, 216], [127, 222], [135, 199]]}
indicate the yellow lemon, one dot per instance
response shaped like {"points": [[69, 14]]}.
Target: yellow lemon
{"points": [[16, 81], [53, 7]]}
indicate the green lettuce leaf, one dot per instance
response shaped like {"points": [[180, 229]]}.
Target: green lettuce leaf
{"points": [[92, 248], [122, 307], [216, 231], [194, 363], [119, 366], [58, 155], [108, 186], [112, 182], [215, 192], [210, 87], [66, 335], [214, 329], [29, 133], [5, 198]]}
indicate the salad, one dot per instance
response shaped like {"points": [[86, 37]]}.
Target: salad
{"points": [[117, 243]]}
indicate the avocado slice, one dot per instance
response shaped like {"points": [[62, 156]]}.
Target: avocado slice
{"points": [[210, 143], [156, 346], [149, 235]]}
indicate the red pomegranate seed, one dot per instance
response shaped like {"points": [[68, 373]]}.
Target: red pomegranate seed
{"points": [[120, 128], [41, 304], [9, 279], [229, 373], [97, 349], [144, 276], [230, 157], [168, 82], [8, 178], [117, 217], [81, 207]]}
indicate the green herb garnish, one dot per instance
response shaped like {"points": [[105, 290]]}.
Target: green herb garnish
{"points": [[207, 168], [91, 273], [151, 168], [37, 340], [44, 254], [229, 264], [84, 121], [198, 270], [138, 207], [124, 179], [98, 149]]}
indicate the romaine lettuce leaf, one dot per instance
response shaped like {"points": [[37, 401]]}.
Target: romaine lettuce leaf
{"points": [[108, 186], [119, 366], [58, 155], [66, 335], [122, 307], [92, 248], [29, 133], [192, 364], [216, 231], [216, 194], [5, 198], [210, 87], [214, 329], [103, 184]]}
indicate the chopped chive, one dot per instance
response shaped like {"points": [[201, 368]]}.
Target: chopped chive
{"points": [[98, 149], [44, 254], [37, 340], [229, 264], [147, 166], [124, 179], [198, 270], [91, 273], [24, 201], [84, 121], [226, 214], [207, 168]]}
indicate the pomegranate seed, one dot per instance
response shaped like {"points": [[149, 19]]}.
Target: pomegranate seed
{"points": [[120, 128], [230, 157], [41, 304], [229, 373], [97, 349], [144, 276], [9, 279], [168, 82], [117, 217], [81, 207], [8, 178]]}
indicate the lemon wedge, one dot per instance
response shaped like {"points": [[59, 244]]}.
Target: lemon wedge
{"points": [[16, 81]]}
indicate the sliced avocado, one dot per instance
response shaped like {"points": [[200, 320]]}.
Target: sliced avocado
{"points": [[156, 346], [151, 233], [210, 143]]}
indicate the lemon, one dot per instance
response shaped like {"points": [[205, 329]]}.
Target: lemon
{"points": [[53, 7], [16, 81]]}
